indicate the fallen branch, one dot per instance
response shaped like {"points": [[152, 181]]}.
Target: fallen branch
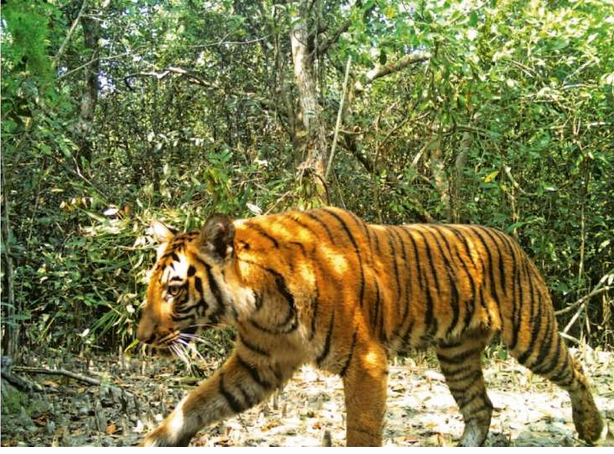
{"points": [[24, 385], [66, 373], [115, 390]]}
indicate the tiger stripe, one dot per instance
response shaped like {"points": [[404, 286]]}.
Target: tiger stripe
{"points": [[327, 343], [356, 251]]}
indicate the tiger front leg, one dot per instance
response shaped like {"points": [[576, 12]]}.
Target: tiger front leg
{"points": [[365, 388], [238, 385]]}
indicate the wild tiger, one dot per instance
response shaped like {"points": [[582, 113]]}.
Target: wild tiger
{"points": [[324, 287]]}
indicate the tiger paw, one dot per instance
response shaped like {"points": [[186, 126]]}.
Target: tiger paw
{"points": [[586, 416], [474, 434], [588, 425], [162, 437]]}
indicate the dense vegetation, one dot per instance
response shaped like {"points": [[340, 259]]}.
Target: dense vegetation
{"points": [[115, 113]]}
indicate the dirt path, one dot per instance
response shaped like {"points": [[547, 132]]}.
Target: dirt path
{"points": [[421, 412]]}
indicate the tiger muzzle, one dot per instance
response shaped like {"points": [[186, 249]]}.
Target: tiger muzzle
{"points": [[146, 334]]}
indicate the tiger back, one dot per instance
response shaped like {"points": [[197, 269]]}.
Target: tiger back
{"points": [[324, 287]]}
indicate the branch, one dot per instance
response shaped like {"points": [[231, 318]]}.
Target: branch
{"points": [[134, 52], [322, 48], [352, 148], [402, 63], [69, 35], [393, 130], [171, 70], [574, 340], [222, 42], [92, 61], [266, 103]]}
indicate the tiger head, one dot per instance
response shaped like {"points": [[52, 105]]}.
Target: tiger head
{"points": [[186, 286]]}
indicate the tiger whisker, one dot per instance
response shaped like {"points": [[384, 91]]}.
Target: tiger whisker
{"points": [[192, 348], [185, 354], [189, 362], [176, 350], [181, 353], [192, 337], [173, 350]]}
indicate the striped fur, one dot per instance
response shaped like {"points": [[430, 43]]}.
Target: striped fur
{"points": [[324, 287]]}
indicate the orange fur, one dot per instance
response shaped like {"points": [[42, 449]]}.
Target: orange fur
{"points": [[324, 287]]}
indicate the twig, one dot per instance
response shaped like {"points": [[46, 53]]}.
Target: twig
{"points": [[92, 61], [583, 300], [338, 125], [574, 340]]}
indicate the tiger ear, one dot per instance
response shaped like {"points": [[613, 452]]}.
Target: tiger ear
{"points": [[161, 232], [217, 237]]}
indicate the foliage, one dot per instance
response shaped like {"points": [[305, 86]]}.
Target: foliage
{"points": [[505, 118]]}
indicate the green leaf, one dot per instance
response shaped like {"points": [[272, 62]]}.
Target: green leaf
{"points": [[383, 57], [473, 19]]}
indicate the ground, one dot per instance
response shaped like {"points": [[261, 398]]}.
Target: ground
{"points": [[135, 393]]}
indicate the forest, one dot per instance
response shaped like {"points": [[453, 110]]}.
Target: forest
{"points": [[117, 113]]}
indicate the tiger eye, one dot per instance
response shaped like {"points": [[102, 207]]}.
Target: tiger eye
{"points": [[173, 290]]}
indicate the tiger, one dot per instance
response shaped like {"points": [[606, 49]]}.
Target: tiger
{"points": [[324, 287]]}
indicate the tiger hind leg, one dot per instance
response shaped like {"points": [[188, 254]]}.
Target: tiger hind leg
{"points": [[551, 359], [461, 366]]}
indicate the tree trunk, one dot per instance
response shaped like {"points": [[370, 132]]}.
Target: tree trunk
{"points": [[89, 97], [440, 178], [314, 143], [459, 173], [10, 332]]}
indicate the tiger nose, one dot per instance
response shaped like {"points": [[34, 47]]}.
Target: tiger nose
{"points": [[146, 332]]}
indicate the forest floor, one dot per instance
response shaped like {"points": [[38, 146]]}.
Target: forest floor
{"points": [[134, 394]]}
